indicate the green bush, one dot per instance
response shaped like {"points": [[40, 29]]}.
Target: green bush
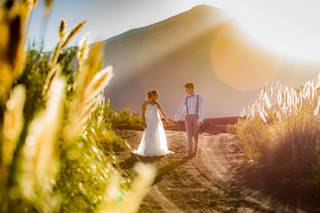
{"points": [[124, 119]]}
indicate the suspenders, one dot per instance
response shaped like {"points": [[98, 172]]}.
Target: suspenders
{"points": [[187, 104], [197, 105]]}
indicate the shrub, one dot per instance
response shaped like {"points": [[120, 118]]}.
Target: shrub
{"points": [[125, 119]]}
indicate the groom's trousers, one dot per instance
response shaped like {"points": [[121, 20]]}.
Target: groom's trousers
{"points": [[192, 128]]}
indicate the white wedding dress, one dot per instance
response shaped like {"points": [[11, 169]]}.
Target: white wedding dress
{"points": [[154, 141]]}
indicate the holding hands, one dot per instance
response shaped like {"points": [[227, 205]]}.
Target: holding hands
{"points": [[170, 122]]}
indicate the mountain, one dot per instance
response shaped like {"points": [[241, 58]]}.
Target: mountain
{"points": [[199, 45]]}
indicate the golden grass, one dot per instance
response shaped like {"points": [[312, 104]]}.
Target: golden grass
{"points": [[73, 32], [282, 129], [90, 83], [13, 122], [64, 40], [31, 149], [140, 187], [48, 5], [39, 165], [12, 55], [283, 101]]}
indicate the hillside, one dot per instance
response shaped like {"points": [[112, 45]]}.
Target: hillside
{"points": [[199, 45]]}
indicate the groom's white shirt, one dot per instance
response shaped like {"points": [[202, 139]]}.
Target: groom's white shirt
{"points": [[192, 107]]}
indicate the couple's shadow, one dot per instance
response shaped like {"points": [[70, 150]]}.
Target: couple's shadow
{"points": [[162, 169]]}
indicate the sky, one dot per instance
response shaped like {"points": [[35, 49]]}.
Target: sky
{"points": [[105, 18], [287, 27]]}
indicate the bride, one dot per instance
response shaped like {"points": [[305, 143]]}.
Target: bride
{"points": [[154, 141]]}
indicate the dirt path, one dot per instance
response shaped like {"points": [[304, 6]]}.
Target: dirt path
{"points": [[206, 183]]}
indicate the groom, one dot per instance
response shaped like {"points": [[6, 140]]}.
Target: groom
{"points": [[193, 107]]}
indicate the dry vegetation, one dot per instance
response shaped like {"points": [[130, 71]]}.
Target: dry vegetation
{"points": [[56, 131], [281, 130]]}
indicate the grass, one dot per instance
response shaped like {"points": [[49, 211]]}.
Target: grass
{"points": [[281, 130], [57, 138]]}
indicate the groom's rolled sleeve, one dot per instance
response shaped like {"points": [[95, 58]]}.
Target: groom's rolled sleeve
{"points": [[180, 111], [201, 110]]}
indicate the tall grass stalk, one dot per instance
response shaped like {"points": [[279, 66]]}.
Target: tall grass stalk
{"points": [[282, 129], [53, 122]]}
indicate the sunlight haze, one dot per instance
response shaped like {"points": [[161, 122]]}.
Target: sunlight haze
{"points": [[287, 27]]}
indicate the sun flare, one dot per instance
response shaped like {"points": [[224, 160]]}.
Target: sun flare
{"points": [[287, 28]]}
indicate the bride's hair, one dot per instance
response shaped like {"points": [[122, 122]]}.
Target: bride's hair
{"points": [[151, 93]]}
